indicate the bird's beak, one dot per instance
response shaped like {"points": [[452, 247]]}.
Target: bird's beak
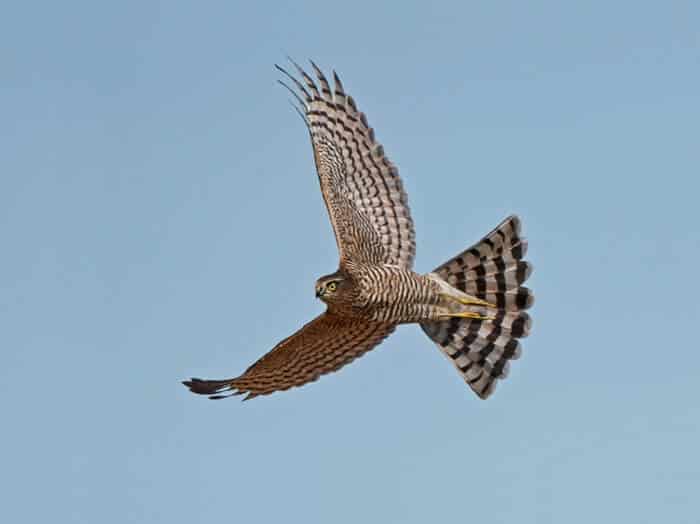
{"points": [[319, 293]]}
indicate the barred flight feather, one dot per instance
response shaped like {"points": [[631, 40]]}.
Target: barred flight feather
{"points": [[362, 189], [325, 344]]}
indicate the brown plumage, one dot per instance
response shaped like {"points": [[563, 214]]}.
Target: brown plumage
{"points": [[321, 346], [471, 306]]}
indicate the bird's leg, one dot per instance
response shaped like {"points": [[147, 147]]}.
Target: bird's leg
{"points": [[469, 301], [467, 314]]}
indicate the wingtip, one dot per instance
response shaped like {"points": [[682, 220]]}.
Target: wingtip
{"points": [[293, 62], [206, 387], [193, 384]]}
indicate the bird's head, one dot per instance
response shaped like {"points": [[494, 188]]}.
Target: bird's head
{"points": [[330, 287]]}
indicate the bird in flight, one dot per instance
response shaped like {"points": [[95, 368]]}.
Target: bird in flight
{"points": [[472, 306]]}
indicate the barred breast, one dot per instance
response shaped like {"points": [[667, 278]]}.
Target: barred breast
{"points": [[395, 294]]}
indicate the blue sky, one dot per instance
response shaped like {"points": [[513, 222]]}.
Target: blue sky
{"points": [[161, 218]]}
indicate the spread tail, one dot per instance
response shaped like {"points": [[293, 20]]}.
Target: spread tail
{"points": [[492, 270]]}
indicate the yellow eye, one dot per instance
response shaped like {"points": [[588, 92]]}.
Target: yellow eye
{"points": [[332, 287]]}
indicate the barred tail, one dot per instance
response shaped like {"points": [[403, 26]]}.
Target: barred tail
{"points": [[492, 270]]}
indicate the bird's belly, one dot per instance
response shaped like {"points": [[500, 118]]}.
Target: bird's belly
{"points": [[391, 294]]}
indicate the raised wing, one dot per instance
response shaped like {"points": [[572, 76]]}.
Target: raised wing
{"points": [[323, 345], [367, 204]]}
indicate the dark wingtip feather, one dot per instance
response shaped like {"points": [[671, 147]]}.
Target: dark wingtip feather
{"points": [[195, 385], [307, 80], [205, 387], [316, 68], [338, 85], [215, 389]]}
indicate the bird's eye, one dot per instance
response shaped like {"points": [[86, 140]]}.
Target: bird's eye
{"points": [[332, 287]]}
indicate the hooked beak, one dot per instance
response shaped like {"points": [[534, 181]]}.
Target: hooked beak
{"points": [[319, 293]]}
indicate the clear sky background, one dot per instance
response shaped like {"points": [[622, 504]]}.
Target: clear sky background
{"points": [[160, 218]]}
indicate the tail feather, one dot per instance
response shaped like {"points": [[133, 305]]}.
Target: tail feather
{"points": [[498, 283], [511, 300], [515, 271], [492, 270], [505, 263]]}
